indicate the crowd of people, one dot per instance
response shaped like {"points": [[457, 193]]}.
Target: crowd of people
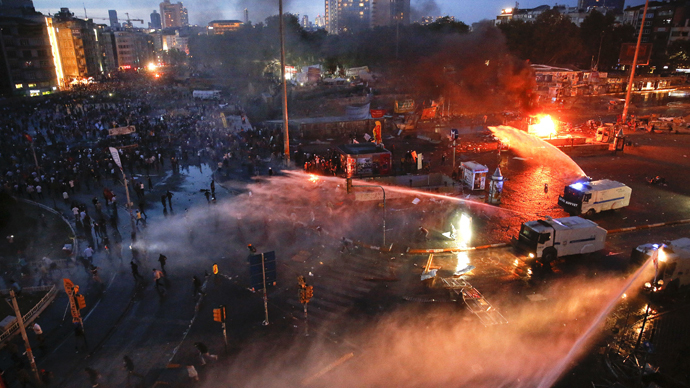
{"points": [[56, 150]]}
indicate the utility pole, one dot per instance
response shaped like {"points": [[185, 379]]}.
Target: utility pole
{"points": [[219, 316], [305, 293], [20, 321], [282, 73], [624, 116], [263, 272]]}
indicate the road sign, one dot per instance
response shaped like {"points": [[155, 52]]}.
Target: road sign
{"points": [[116, 156], [454, 134], [256, 272], [68, 286]]}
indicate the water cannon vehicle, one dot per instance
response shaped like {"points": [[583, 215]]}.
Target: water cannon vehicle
{"points": [[673, 261], [594, 197], [546, 240]]}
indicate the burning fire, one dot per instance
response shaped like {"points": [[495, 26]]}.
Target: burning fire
{"points": [[313, 178], [544, 128]]}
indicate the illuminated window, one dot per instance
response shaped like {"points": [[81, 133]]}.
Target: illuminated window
{"points": [[18, 86], [32, 85]]}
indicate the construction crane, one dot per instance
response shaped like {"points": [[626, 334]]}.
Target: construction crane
{"points": [[129, 21]]}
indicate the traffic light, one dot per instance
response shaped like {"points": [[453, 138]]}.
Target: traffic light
{"points": [[305, 293], [215, 269], [81, 301], [349, 185], [219, 314]]}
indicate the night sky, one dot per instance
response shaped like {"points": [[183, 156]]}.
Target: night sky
{"points": [[203, 11]]}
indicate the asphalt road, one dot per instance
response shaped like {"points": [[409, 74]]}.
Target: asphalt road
{"points": [[354, 292]]}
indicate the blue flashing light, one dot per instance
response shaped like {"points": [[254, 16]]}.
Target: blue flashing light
{"points": [[577, 186], [655, 246]]}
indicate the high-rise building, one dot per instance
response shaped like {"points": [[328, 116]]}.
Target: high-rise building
{"points": [[112, 14], [614, 5], [134, 49], [305, 21], [246, 16], [173, 15], [390, 12], [77, 42], [26, 60], [184, 17], [155, 20], [355, 15], [348, 15]]}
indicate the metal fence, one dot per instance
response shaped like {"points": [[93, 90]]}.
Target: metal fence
{"points": [[37, 309]]}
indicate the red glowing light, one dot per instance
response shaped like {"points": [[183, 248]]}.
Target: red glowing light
{"points": [[545, 127]]}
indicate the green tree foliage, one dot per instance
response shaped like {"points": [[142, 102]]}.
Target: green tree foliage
{"points": [[679, 54], [554, 40]]}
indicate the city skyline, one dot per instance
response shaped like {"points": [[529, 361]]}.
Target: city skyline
{"points": [[200, 13]]}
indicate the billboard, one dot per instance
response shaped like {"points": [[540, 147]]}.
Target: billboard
{"points": [[628, 54], [404, 106], [122, 130]]}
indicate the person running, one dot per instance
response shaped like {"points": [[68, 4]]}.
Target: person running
{"points": [[128, 365], [203, 352], [169, 195], [88, 254], [197, 286], [135, 270], [158, 278], [94, 376], [162, 259]]}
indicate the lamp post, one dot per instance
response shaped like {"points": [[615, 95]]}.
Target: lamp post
{"points": [[282, 73]]}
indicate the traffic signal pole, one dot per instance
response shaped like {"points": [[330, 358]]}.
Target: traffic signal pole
{"points": [[20, 321], [263, 271]]}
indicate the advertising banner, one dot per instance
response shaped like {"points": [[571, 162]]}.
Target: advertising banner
{"points": [[404, 106], [377, 113], [628, 54], [122, 130]]}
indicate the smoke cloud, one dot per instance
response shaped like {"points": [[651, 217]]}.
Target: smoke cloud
{"points": [[259, 10], [417, 345], [475, 71], [421, 8]]}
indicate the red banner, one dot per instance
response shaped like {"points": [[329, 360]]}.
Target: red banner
{"points": [[377, 113]]}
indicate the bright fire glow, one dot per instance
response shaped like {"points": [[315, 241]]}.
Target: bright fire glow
{"points": [[662, 256], [544, 128], [463, 261], [152, 66], [313, 178], [56, 51]]}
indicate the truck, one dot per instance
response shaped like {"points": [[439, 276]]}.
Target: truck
{"points": [[546, 240], [673, 263], [594, 197], [206, 94]]}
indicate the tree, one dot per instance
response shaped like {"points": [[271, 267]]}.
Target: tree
{"points": [[679, 54]]}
